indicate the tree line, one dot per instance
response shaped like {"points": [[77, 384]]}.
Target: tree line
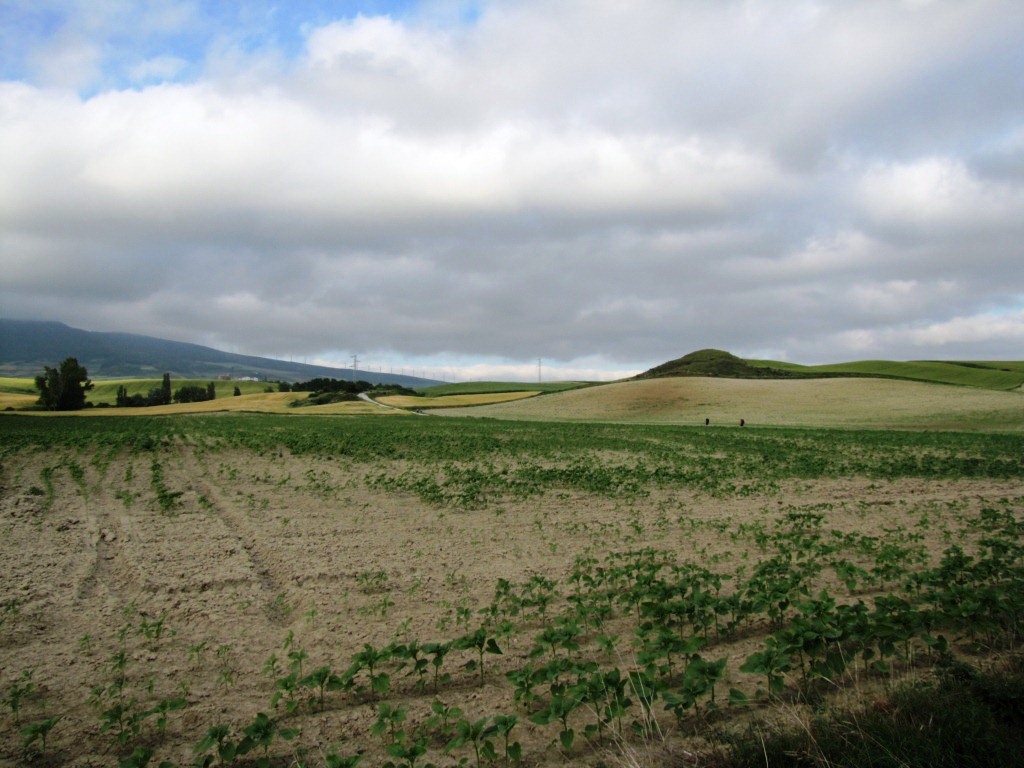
{"points": [[64, 388]]}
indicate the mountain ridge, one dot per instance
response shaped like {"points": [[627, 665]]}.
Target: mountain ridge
{"points": [[28, 345]]}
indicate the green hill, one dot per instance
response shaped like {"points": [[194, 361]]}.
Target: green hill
{"points": [[1001, 376], [715, 362]]}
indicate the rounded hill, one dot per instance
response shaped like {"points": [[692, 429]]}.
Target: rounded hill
{"points": [[714, 362]]}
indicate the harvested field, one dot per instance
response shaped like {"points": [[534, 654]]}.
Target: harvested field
{"points": [[840, 402], [455, 401]]}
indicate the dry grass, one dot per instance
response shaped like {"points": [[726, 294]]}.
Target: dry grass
{"points": [[16, 401], [455, 401], [852, 403], [267, 402]]}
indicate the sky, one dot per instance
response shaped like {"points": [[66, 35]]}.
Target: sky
{"points": [[464, 188]]}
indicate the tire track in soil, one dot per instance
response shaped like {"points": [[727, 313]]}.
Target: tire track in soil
{"points": [[112, 575], [271, 585]]}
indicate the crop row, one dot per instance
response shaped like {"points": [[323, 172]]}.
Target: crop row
{"points": [[455, 459], [826, 606]]}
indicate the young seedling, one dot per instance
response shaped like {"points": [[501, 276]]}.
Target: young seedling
{"points": [[323, 680], [334, 760], [19, 691], [261, 733], [224, 750], [196, 652], [437, 652], [471, 732], [37, 732], [387, 725], [502, 726], [482, 644], [773, 663], [370, 659]]}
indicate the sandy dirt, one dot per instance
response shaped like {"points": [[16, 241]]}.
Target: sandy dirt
{"points": [[257, 549]]}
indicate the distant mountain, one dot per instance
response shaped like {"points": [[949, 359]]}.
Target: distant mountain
{"points": [[28, 345]]}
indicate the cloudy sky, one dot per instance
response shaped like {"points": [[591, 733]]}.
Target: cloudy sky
{"points": [[461, 188]]}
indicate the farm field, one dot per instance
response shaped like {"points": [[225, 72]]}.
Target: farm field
{"points": [[269, 402], [460, 591], [1007, 375], [840, 402], [456, 401], [19, 394], [489, 387]]}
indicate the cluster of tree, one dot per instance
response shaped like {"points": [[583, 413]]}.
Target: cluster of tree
{"points": [[325, 391], [157, 396], [162, 395], [193, 393], [331, 385], [63, 388]]}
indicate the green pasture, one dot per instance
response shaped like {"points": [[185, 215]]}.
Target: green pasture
{"points": [[1003, 376], [18, 386], [106, 391]]}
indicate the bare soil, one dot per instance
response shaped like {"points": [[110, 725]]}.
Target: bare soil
{"points": [[257, 549]]}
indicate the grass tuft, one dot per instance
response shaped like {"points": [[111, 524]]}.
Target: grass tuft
{"points": [[958, 718]]}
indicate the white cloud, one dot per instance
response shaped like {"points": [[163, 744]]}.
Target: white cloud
{"points": [[157, 68], [1007, 328], [939, 193], [947, 338]]}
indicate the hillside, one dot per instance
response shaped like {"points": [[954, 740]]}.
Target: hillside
{"points": [[28, 345], [1003, 376], [838, 401], [489, 387], [715, 362]]}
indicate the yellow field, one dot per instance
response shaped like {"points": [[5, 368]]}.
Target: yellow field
{"points": [[861, 403], [278, 402], [9, 384], [266, 402], [455, 401], [14, 400], [840, 402]]}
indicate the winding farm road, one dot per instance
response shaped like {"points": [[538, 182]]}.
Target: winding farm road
{"points": [[367, 398]]}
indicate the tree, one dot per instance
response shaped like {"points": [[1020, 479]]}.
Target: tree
{"points": [[63, 388], [195, 393], [165, 390], [237, 391]]}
